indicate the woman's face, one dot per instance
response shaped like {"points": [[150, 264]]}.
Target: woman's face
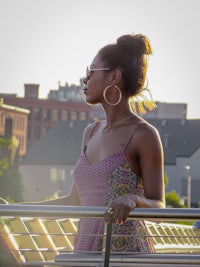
{"points": [[97, 78]]}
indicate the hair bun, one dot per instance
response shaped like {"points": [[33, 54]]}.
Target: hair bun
{"points": [[138, 44]]}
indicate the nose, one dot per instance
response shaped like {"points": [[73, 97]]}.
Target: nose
{"points": [[84, 80]]}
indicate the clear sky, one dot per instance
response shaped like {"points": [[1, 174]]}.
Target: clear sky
{"points": [[46, 41]]}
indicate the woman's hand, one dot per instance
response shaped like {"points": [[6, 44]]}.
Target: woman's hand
{"points": [[3, 201], [119, 209]]}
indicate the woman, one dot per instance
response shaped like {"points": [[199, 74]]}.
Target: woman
{"points": [[121, 164]]}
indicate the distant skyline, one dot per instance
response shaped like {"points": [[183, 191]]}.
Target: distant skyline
{"points": [[47, 41]]}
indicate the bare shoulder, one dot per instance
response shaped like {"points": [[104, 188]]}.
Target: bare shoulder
{"points": [[89, 128], [87, 131], [146, 133], [147, 129]]}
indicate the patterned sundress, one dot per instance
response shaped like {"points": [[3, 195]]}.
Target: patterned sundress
{"points": [[98, 184]]}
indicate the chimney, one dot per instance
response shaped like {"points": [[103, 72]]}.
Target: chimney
{"points": [[31, 90]]}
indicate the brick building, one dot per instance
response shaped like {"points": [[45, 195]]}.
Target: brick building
{"points": [[18, 126], [44, 113]]}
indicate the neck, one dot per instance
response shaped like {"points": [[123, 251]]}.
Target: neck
{"points": [[117, 115], [118, 121], [113, 114]]}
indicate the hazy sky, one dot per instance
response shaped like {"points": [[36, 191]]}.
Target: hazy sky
{"points": [[46, 41]]}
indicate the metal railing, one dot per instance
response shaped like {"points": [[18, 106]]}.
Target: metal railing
{"points": [[39, 216], [56, 211]]}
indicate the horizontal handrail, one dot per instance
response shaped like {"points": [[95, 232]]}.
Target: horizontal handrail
{"points": [[35, 242], [60, 211]]}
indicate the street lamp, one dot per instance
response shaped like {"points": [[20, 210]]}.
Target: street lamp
{"points": [[187, 167]]}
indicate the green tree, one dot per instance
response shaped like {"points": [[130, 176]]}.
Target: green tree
{"points": [[11, 187], [5, 148], [173, 200]]}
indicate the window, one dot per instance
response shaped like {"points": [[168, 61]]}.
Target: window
{"points": [[82, 116], [37, 114], [55, 115], [74, 115], [57, 174], [65, 115], [46, 114], [53, 175]]}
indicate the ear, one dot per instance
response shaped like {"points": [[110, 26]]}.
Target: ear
{"points": [[116, 76]]}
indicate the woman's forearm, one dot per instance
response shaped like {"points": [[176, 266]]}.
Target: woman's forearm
{"points": [[142, 202], [65, 200]]}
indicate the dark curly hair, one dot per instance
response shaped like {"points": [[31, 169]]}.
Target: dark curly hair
{"points": [[129, 53]]}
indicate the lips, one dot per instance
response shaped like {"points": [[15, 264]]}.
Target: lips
{"points": [[85, 89]]}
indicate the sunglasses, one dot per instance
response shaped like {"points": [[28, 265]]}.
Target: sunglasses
{"points": [[90, 70]]}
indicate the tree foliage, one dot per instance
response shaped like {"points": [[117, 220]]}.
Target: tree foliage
{"points": [[11, 187], [173, 200], [5, 147]]}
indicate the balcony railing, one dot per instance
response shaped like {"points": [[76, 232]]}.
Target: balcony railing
{"points": [[32, 235]]}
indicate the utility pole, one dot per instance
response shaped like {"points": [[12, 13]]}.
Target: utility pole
{"points": [[188, 186]]}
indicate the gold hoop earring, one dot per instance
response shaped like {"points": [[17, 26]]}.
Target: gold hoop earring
{"points": [[106, 100]]}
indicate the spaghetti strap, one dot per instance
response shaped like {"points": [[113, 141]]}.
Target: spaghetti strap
{"points": [[132, 134], [90, 134], [93, 128]]}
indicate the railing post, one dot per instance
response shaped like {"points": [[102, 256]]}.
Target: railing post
{"points": [[108, 244]]}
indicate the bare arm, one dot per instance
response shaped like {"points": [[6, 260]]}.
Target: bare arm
{"points": [[147, 149], [151, 162], [72, 199]]}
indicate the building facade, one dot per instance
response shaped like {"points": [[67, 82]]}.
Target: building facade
{"points": [[44, 113], [19, 117]]}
